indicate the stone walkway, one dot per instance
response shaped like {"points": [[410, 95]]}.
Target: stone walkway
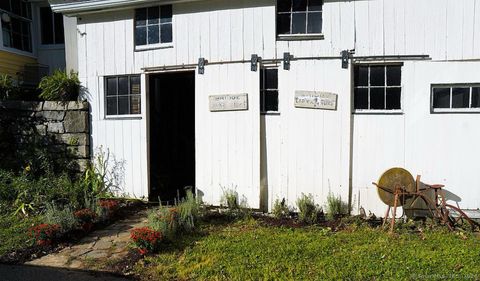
{"points": [[98, 249]]}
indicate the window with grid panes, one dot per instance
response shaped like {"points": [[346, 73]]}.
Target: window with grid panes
{"points": [[123, 95], [16, 24], [153, 25], [51, 26], [459, 97], [268, 90], [377, 87], [299, 17]]}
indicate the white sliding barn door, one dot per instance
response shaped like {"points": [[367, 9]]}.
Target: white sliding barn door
{"points": [[228, 142]]}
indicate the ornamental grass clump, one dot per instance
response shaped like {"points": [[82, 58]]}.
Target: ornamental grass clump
{"points": [[165, 221], [44, 234], [146, 239], [60, 86]]}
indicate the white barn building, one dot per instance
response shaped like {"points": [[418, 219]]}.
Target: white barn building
{"points": [[279, 98]]}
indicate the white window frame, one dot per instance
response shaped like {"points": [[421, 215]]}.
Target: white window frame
{"points": [[451, 86], [105, 105], [378, 111], [160, 45], [298, 36], [32, 41]]}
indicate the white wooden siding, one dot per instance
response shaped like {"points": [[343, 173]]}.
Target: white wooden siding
{"points": [[307, 150]]}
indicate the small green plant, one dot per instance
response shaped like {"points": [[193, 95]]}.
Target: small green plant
{"points": [[188, 211], [7, 87], [335, 206], [60, 86], [230, 199], [64, 217], [307, 209], [280, 209], [164, 220], [73, 141]]}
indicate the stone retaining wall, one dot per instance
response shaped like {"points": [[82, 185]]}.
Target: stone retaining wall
{"points": [[62, 128]]}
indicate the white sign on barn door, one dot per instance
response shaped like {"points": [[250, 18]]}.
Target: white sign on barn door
{"points": [[316, 100], [228, 145]]}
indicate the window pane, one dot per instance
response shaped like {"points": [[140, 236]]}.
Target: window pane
{"points": [[166, 14], [476, 97], [361, 99], [112, 106], [361, 75], [111, 86], [441, 98], [284, 5], [123, 85], [460, 97], [123, 105], [166, 33], [46, 25], [262, 101], [135, 85], [315, 22], [377, 75], [140, 36], [16, 6], [140, 17], [153, 36], [299, 5], [271, 79], [299, 23], [393, 98], [59, 39], [153, 14], [271, 100], [283, 24], [315, 5], [377, 98], [394, 75], [135, 104]]}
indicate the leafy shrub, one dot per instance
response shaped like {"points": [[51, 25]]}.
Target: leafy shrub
{"points": [[188, 211], [308, 210], [335, 206], [7, 87], [60, 86], [280, 209], [44, 233], [63, 217], [230, 199], [165, 221], [146, 239]]}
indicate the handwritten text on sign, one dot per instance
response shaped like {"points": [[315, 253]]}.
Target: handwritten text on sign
{"points": [[317, 100], [228, 102]]}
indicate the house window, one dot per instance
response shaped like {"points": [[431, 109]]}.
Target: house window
{"points": [[299, 17], [123, 95], [461, 97], [377, 87], [51, 26], [153, 25], [16, 22], [268, 90]]}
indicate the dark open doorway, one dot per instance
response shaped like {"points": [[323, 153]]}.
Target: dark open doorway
{"points": [[172, 134]]}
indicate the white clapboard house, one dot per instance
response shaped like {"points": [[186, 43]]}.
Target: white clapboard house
{"points": [[278, 98]]}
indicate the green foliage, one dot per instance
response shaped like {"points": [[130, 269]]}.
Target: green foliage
{"points": [[280, 209], [188, 211], [230, 199], [64, 217], [14, 232], [246, 251], [60, 86], [8, 89], [307, 209], [335, 206], [165, 221]]}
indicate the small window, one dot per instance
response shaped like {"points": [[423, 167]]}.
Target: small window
{"points": [[16, 25], [455, 98], [153, 25], [268, 90], [51, 25], [299, 17], [122, 94], [377, 87]]}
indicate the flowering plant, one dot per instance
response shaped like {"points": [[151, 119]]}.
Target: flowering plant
{"points": [[85, 215], [44, 233], [146, 239], [109, 204]]}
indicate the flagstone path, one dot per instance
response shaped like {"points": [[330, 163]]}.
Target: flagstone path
{"points": [[98, 249]]}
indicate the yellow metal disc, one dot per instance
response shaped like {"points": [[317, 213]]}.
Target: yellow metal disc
{"points": [[392, 179]]}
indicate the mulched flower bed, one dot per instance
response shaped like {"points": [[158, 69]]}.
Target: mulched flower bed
{"points": [[126, 208]]}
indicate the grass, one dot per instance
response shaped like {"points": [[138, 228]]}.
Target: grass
{"points": [[14, 232], [247, 251]]}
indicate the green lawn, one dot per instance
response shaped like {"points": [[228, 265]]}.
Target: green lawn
{"points": [[248, 251], [14, 232]]}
